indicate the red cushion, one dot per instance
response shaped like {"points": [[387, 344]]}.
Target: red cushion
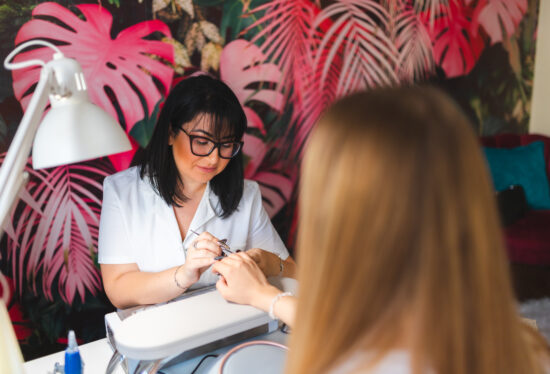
{"points": [[528, 239]]}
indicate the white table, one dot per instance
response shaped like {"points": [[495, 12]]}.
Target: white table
{"points": [[96, 356]]}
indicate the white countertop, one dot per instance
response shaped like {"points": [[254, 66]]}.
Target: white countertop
{"points": [[96, 355]]}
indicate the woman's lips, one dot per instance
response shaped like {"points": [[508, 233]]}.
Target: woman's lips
{"points": [[206, 170]]}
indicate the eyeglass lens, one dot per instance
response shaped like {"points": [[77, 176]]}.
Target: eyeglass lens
{"points": [[203, 147]]}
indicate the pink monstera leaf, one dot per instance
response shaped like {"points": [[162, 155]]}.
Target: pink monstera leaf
{"points": [[499, 18], [456, 50], [58, 242], [242, 67], [119, 72]]}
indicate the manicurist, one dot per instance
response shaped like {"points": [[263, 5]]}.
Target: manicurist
{"points": [[164, 222]]}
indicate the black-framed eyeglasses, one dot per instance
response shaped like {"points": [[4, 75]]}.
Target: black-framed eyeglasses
{"points": [[201, 146]]}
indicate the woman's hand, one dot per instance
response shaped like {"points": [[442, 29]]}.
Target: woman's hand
{"points": [[200, 255], [242, 281], [269, 262]]}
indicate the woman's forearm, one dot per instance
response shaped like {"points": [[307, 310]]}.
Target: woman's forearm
{"points": [[135, 287]]}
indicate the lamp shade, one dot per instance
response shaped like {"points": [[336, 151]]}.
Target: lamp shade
{"points": [[74, 131]]}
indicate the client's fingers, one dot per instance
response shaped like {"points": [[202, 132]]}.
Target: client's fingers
{"points": [[221, 267], [200, 262], [245, 257], [200, 253]]}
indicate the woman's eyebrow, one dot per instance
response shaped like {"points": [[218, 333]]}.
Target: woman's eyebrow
{"points": [[204, 132], [230, 137]]}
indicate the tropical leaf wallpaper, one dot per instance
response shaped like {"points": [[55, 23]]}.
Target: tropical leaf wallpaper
{"points": [[286, 60]]}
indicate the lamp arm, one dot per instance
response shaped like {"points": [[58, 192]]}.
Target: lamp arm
{"points": [[11, 172]]}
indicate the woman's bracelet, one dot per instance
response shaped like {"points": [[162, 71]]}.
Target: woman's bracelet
{"points": [[274, 301], [176, 278]]}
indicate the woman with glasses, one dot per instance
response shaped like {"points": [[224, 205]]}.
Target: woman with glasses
{"points": [[403, 264], [165, 221]]}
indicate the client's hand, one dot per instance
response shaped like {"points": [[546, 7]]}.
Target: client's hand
{"points": [[269, 262], [242, 281], [200, 255]]}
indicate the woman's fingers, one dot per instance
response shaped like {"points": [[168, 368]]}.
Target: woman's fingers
{"points": [[222, 287], [207, 236], [208, 242], [221, 267], [208, 245], [199, 253], [200, 262], [245, 257]]}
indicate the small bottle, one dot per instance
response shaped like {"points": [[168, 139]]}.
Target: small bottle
{"points": [[73, 362]]}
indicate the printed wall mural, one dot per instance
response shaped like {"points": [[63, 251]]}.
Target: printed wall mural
{"points": [[286, 60]]}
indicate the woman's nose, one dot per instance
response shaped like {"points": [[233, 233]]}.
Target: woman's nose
{"points": [[213, 157]]}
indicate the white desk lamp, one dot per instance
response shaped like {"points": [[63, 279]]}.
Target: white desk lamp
{"points": [[73, 130]]}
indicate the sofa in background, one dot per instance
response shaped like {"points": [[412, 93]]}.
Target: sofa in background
{"points": [[528, 237]]}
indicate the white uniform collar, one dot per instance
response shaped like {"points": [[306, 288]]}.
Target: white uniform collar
{"points": [[206, 209]]}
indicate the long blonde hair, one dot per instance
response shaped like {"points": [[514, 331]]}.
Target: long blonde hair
{"points": [[399, 243]]}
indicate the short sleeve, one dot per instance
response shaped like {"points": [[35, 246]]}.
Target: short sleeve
{"points": [[262, 233], [114, 242]]}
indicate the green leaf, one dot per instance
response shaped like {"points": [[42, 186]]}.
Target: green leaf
{"points": [[143, 130], [234, 21], [208, 2], [116, 2]]}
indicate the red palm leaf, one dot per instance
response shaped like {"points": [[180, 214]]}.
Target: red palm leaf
{"points": [[368, 53], [118, 65], [287, 26], [414, 45], [320, 91], [352, 50]]}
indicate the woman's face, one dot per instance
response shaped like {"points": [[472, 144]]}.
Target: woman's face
{"points": [[196, 169]]}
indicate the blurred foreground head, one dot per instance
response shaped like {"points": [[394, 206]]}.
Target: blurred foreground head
{"points": [[400, 245]]}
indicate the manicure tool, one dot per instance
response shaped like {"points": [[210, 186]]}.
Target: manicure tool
{"points": [[223, 245]]}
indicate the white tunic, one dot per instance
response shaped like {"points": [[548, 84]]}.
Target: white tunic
{"points": [[138, 226]]}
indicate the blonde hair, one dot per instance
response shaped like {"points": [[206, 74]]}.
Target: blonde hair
{"points": [[399, 233]]}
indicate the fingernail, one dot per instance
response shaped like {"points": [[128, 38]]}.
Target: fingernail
{"points": [[218, 258]]}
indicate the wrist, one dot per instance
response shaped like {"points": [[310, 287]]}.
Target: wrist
{"points": [[264, 296], [276, 265], [274, 301], [181, 277]]}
